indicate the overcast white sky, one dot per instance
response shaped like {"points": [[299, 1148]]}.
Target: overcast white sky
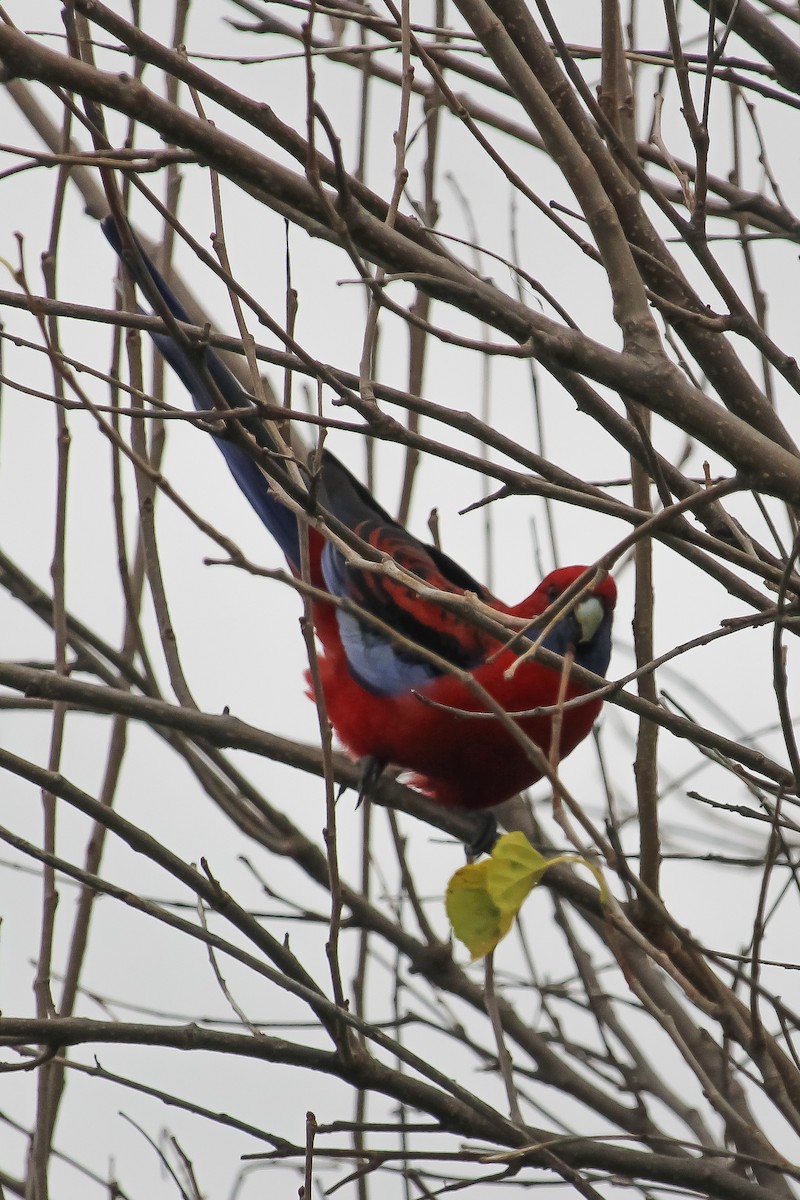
{"points": [[239, 640]]}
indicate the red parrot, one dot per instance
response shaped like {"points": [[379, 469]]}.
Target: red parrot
{"points": [[387, 701]]}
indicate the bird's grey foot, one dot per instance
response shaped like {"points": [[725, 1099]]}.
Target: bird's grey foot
{"points": [[484, 841], [371, 771]]}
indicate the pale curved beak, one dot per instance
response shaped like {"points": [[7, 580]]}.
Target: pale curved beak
{"points": [[589, 615]]}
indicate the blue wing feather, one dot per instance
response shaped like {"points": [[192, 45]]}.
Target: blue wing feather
{"points": [[375, 660]]}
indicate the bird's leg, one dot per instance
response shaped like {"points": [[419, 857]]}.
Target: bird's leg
{"points": [[371, 771], [483, 842]]}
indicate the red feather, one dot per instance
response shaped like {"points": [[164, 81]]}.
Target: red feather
{"points": [[472, 762]]}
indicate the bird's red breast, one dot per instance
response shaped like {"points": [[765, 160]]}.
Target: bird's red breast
{"points": [[472, 761]]}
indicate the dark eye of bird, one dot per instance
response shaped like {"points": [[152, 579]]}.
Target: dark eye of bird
{"points": [[552, 594]]}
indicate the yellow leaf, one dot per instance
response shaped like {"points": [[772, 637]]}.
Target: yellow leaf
{"points": [[514, 869], [483, 899], [475, 918]]}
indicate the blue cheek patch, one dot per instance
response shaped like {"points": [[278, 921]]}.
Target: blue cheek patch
{"points": [[593, 655], [596, 655]]}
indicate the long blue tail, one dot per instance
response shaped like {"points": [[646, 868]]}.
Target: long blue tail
{"points": [[195, 368], [374, 659]]}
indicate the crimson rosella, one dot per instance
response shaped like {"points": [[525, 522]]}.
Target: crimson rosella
{"points": [[389, 701]]}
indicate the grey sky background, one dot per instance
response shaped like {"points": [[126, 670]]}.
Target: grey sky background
{"points": [[238, 634]]}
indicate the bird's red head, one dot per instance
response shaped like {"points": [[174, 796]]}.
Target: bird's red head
{"points": [[557, 582], [585, 626]]}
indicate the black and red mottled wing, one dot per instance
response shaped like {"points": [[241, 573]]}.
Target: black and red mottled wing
{"points": [[382, 664]]}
